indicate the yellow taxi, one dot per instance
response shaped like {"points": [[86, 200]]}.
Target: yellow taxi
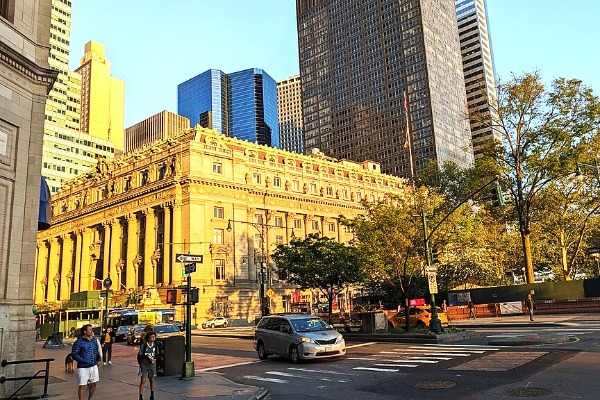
{"points": [[419, 317]]}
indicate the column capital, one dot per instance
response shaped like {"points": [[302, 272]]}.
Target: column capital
{"points": [[130, 217], [107, 223]]}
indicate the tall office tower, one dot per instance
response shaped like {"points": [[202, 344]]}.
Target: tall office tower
{"points": [[242, 104], [25, 80], [357, 61], [163, 125], [478, 67], [102, 97], [289, 105]]}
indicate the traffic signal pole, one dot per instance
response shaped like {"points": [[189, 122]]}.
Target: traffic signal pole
{"points": [[188, 370]]}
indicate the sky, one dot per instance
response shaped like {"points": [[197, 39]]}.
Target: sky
{"points": [[154, 45]]}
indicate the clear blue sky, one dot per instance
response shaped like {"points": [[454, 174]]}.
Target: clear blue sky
{"points": [[154, 45]]}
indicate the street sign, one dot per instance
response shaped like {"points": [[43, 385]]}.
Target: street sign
{"points": [[270, 292], [189, 268], [593, 251], [107, 283], [189, 258], [432, 268], [433, 288]]}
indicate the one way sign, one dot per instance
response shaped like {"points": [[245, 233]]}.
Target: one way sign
{"points": [[188, 258]]}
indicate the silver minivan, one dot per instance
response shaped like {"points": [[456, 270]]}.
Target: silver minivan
{"points": [[297, 336]]}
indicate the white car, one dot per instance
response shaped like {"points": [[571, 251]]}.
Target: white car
{"points": [[215, 323]]}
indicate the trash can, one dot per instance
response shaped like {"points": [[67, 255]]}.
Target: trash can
{"points": [[170, 355]]}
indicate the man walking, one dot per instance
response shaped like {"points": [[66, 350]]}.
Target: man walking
{"points": [[147, 361], [471, 309], [86, 351], [529, 305], [107, 341]]}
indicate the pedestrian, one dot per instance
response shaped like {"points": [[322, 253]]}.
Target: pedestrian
{"points": [[471, 309], [147, 360], [107, 341], [529, 305], [445, 309], [88, 354]]}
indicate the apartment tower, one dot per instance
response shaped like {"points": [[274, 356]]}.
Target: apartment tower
{"points": [[358, 63], [478, 67], [242, 104], [160, 126], [289, 105]]}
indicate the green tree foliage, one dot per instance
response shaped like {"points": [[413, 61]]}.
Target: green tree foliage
{"points": [[318, 263], [545, 131]]}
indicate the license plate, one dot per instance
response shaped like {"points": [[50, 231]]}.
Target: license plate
{"points": [[328, 348]]}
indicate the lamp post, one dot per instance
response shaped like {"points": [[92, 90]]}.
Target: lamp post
{"points": [[262, 230]]}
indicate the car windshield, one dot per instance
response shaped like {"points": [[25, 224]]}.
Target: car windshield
{"points": [[309, 325], [166, 329], [139, 328], [123, 329]]}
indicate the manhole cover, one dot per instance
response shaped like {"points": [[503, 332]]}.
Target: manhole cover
{"points": [[435, 385], [528, 392]]}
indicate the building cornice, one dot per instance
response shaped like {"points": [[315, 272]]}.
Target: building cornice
{"points": [[28, 68]]}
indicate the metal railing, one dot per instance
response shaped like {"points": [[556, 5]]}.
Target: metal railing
{"points": [[28, 379]]}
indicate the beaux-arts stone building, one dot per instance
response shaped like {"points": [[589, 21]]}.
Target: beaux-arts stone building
{"points": [[130, 217]]}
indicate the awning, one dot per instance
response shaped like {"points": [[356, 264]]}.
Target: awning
{"points": [[45, 211]]}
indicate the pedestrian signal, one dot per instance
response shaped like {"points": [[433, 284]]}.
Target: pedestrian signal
{"points": [[497, 195], [173, 296]]}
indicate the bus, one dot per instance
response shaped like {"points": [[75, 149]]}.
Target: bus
{"points": [[117, 318], [66, 322]]}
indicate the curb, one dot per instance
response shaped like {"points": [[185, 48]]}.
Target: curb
{"points": [[508, 325], [261, 394], [413, 338]]}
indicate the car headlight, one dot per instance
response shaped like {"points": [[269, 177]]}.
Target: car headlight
{"points": [[307, 340], [339, 340]]}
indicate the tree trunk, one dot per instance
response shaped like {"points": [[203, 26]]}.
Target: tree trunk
{"points": [[526, 241], [565, 265], [330, 300]]}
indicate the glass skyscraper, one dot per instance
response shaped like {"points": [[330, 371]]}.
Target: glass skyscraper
{"points": [[242, 104], [358, 62]]}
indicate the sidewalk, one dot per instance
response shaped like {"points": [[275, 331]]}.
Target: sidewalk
{"points": [[120, 381], [522, 320]]}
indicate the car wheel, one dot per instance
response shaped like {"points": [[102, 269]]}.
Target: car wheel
{"points": [[225, 325], [294, 354], [212, 326], [262, 352], [420, 325]]}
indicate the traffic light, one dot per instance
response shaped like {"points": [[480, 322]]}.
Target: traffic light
{"points": [[194, 295], [173, 296], [435, 255], [497, 195]]}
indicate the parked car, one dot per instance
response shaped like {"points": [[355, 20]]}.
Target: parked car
{"points": [[135, 334], [180, 326], [121, 333], [215, 323], [297, 336], [163, 330], [418, 316]]}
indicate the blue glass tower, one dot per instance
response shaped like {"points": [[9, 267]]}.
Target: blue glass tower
{"points": [[242, 104]]}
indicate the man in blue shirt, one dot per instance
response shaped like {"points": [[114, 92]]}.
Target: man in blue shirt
{"points": [[86, 351]]}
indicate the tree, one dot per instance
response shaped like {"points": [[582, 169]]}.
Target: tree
{"points": [[318, 263], [545, 131]]}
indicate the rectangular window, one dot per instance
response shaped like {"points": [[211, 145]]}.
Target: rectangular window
{"points": [[257, 241], [218, 236], [258, 218], [256, 178], [331, 227], [218, 212], [217, 168], [277, 181], [329, 191], [278, 239], [315, 225], [313, 188], [278, 221], [295, 185], [298, 224], [344, 193], [219, 270]]}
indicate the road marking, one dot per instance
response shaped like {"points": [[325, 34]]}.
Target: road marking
{"points": [[396, 365], [449, 349], [377, 369], [226, 366], [361, 345], [449, 354], [288, 375], [259, 378], [475, 346], [360, 358], [411, 360], [430, 358], [322, 371]]}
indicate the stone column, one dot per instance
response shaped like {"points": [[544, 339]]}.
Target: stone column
{"points": [[106, 260], [86, 262], [78, 263], [132, 250], [42, 275], [67, 265], [177, 238], [53, 269], [150, 248], [166, 256], [115, 252]]}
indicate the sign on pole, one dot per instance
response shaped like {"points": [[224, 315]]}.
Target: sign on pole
{"points": [[270, 292], [433, 288], [189, 258], [189, 268], [107, 283]]}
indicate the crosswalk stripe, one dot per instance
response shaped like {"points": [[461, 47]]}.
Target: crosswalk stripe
{"points": [[449, 354], [361, 345], [321, 371], [376, 369], [411, 360], [396, 365], [457, 349], [259, 378], [470, 346], [430, 358], [360, 358], [288, 375], [226, 366]]}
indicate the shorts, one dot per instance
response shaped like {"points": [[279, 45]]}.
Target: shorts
{"points": [[87, 375], [148, 371]]}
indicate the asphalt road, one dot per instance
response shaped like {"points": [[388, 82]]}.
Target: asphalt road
{"points": [[468, 370]]}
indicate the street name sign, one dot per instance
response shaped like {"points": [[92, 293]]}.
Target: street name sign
{"points": [[189, 258]]}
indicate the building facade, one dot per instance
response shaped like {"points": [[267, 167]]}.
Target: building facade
{"points": [[25, 80], [229, 200], [358, 63], [289, 105], [163, 125], [242, 104], [478, 67]]}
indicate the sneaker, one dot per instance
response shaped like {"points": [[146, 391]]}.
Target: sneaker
{"points": [[110, 362], [104, 363]]}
